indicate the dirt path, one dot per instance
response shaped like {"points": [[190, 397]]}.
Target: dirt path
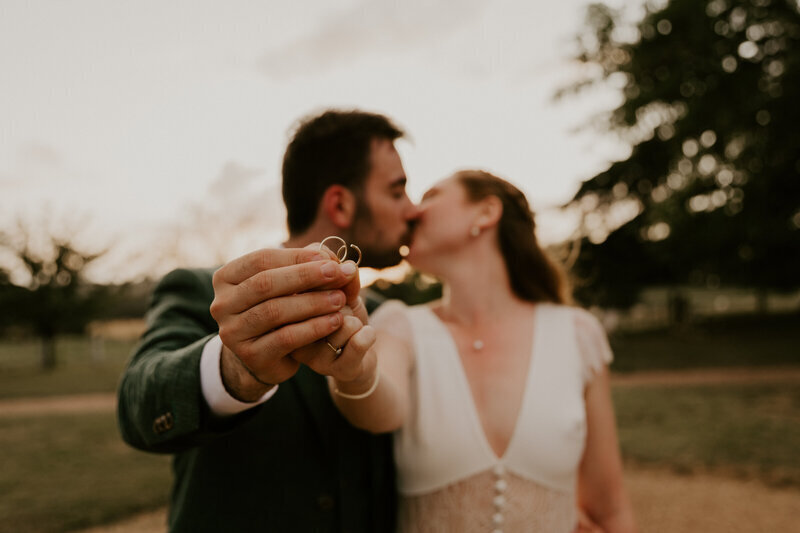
{"points": [[663, 503], [709, 376], [667, 503], [78, 403], [151, 522]]}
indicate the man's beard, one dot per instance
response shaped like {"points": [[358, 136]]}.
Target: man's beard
{"points": [[374, 253], [381, 258]]}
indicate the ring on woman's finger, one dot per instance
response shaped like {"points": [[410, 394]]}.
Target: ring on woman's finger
{"points": [[336, 351]]}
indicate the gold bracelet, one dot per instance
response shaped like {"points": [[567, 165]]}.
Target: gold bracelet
{"points": [[363, 394]]}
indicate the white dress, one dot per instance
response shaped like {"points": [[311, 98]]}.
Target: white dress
{"points": [[449, 477]]}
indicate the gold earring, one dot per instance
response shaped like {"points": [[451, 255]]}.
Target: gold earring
{"points": [[475, 231]]}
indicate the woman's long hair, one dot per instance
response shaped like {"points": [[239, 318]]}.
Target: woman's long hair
{"points": [[533, 275]]}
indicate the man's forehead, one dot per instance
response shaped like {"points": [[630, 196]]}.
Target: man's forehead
{"points": [[386, 168]]}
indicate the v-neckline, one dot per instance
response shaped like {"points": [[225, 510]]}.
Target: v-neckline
{"points": [[477, 423]]}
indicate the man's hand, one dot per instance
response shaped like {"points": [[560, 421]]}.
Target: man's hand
{"points": [[354, 338], [271, 302]]}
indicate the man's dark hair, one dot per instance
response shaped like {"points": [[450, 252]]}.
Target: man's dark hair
{"points": [[329, 149]]}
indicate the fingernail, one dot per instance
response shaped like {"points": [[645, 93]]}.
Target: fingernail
{"points": [[336, 320], [328, 269], [336, 298], [318, 257], [348, 268]]}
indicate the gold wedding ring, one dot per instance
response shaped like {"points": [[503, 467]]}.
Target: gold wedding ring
{"points": [[336, 351], [341, 252]]}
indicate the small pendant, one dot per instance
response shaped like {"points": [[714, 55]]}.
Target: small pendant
{"points": [[477, 344]]}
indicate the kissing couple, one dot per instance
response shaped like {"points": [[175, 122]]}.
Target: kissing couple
{"points": [[294, 400]]}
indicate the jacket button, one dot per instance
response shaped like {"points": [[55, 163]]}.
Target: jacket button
{"points": [[325, 502], [163, 423]]}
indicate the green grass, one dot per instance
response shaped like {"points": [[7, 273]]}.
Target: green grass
{"points": [[732, 341], [59, 473], [744, 430], [77, 372]]}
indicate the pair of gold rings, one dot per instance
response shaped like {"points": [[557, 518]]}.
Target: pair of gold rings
{"points": [[341, 253], [341, 256]]}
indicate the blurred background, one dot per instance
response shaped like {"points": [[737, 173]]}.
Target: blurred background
{"points": [[657, 141]]}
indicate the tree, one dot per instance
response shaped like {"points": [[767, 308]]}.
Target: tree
{"points": [[10, 295], [55, 299], [711, 189]]}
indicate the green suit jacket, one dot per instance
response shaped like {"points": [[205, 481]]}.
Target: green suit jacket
{"points": [[290, 464]]}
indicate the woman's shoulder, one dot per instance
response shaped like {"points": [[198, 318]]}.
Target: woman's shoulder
{"points": [[583, 318], [590, 336], [586, 321]]}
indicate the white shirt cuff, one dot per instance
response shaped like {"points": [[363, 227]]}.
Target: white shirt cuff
{"points": [[217, 398]]}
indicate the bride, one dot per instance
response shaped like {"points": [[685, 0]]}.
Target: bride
{"points": [[498, 394]]}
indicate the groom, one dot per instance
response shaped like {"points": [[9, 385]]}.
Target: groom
{"points": [[215, 380]]}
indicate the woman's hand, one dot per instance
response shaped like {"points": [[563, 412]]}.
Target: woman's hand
{"points": [[344, 355], [601, 491]]}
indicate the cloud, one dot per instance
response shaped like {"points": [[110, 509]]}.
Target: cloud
{"points": [[234, 179], [371, 26], [36, 153], [239, 196], [239, 213], [34, 164]]}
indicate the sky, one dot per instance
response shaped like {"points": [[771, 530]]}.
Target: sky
{"points": [[156, 129]]}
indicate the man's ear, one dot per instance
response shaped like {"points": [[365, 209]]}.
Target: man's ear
{"points": [[491, 210], [339, 206]]}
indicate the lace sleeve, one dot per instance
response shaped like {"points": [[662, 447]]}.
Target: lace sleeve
{"points": [[592, 343]]}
